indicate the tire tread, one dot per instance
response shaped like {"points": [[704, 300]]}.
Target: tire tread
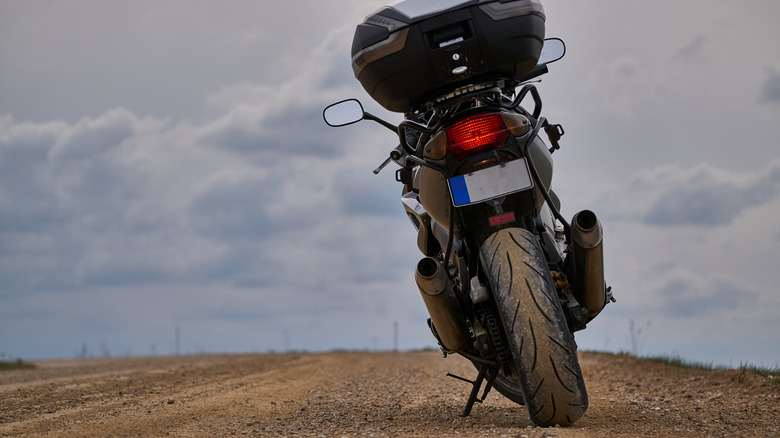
{"points": [[544, 352]]}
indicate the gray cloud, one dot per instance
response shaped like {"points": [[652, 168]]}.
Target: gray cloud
{"points": [[770, 89], [235, 208], [26, 202], [90, 137], [707, 206], [85, 57], [687, 296], [702, 195], [130, 200], [284, 132], [360, 192], [694, 50]]}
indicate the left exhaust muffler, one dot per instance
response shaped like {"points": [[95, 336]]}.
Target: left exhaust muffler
{"points": [[447, 317]]}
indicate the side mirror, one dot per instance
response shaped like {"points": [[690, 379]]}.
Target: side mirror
{"points": [[552, 50], [343, 113]]}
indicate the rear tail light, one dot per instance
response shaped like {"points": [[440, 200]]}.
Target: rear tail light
{"points": [[476, 134]]}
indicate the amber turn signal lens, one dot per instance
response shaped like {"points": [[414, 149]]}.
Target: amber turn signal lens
{"points": [[436, 149], [517, 124]]}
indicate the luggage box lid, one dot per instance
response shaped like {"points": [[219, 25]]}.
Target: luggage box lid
{"points": [[403, 13]]}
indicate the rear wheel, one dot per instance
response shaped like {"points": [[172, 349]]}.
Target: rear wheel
{"points": [[509, 388], [543, 350]]}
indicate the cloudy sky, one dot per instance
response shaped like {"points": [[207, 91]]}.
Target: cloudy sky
{"points": [[164, 165]]}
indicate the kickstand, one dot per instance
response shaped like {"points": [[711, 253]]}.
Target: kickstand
{"points": [[484, 371]]}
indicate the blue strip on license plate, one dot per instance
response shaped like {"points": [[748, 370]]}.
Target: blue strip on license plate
{"points": [[490, 183]]}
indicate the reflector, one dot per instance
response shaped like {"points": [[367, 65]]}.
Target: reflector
{"points": [[501, 219]]}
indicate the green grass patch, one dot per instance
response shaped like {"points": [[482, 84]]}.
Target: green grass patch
{"points": [[679, 362], [18, 364], [673, 361], [772, 373]]}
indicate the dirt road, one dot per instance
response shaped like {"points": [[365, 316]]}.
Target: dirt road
{"points": [[364, 394]]}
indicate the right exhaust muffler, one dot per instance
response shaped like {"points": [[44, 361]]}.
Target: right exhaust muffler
{"points": [[588, 257]]}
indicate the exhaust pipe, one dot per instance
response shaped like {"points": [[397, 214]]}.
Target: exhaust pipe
{"points": [[588, 252], [447, 319]]}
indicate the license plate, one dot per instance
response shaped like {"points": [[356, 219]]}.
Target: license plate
{"points": [[490, 183]]}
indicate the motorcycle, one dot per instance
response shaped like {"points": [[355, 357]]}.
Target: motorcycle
{"points": [[506, 279]]}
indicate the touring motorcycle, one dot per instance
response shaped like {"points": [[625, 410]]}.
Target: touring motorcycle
{"points": [[506, 279]]}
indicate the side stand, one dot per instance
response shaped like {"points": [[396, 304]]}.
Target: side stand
{"points": [[484, 371]]}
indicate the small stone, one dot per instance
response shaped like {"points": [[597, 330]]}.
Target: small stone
{"points": [[171, 401]]}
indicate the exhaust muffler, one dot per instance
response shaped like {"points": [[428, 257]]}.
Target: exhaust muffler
{"points": [[587, 248], [449, 323]]}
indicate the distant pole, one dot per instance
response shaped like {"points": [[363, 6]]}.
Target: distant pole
{"points": [[177, 341], [395, 335], [286, 339]]}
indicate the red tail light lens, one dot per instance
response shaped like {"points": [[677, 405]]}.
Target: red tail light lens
{"points": [[475, 134]]}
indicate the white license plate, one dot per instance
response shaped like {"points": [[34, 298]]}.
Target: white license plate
{"points": [[490, 183]]}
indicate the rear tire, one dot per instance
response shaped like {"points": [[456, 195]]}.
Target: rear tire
{"points": [[509, 388], [543, 350]]}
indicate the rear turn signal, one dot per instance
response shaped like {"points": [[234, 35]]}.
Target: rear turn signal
{"points": [[517, 124], [475, 134]]}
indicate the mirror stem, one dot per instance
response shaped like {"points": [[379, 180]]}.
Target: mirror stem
{"points": [[388, 125]]}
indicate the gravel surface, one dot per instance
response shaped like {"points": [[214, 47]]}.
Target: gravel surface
{"points": [[365, 394]]}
